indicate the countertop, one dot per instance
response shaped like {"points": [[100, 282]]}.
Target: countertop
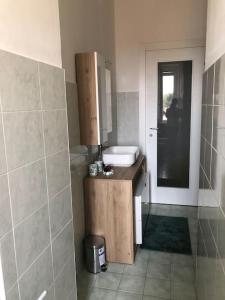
{"points": [[122, 173]]}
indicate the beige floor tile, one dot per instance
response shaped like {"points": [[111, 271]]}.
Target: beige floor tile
{"points": [[183, 274], [86, 280], [108, 281], [157, 288], [183, 260], [151, 298], [183, 291], [132, 284], [116, 268], [99, 294], [128, 296], [139, 268], [160, 257], [143, 254], [159, 271]]}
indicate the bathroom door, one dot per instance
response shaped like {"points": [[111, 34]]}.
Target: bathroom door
{"points": [[173, 117]]}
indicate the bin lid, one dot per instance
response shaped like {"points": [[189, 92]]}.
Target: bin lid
{"points": [[94, 241]]}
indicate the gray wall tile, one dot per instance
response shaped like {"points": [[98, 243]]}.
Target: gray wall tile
{"points": [[204, 88], [220, 132], [204, 118], [19, 83], [113, 135], [73, 295], [28, 190], [121, 108], [78, 214], [209, 123], [55, 128], [219, 87], [222, 187], [201, 181], [211, 221], [24, 138], [60, 211], [8, 261], [65, 282], [28, 106], [62, 248], [2, 149], [38, 278], [50, 294], [202, 161], [210, 86], [52, 87], [208, 155], [5, 214], [31, 237], [128, 118], [58, 172], [214, 165], [72, 112], [13, 294], [215, 126]]}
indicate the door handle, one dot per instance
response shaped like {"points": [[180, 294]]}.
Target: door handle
{"points": [[152, 128]]}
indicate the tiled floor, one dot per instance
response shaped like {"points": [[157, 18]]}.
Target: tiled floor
{"points": [[154, 276]]}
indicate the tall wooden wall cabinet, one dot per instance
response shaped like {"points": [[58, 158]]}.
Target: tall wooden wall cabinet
{"points": [[94, 112]]}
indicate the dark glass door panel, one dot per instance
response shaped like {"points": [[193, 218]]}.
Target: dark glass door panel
{"points": [[174, 119]]}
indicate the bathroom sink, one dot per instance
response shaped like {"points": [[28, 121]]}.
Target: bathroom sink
{"points": [[120, 156]]}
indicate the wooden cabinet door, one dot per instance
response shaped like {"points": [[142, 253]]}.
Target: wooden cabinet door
{"points": [[120, 222], [109, 213], [95, 193]]}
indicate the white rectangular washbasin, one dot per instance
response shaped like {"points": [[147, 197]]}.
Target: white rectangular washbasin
{"points": [[120, 156]]}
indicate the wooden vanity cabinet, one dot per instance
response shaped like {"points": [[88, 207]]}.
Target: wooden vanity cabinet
{"points": [[109, 210], [94, 110]]}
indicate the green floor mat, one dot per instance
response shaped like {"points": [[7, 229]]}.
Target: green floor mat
{"points": [[167, 234]]}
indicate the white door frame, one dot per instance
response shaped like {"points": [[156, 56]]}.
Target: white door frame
{"points": [[168, 52]]}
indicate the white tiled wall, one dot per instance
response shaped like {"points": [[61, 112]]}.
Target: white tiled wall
{"points": [[36, 220]]}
